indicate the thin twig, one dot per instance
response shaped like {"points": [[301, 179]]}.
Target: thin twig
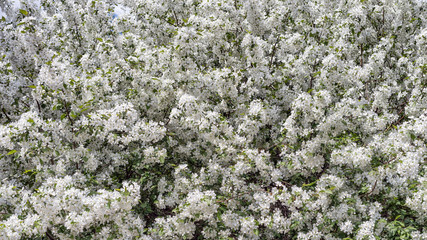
{"points": [[373, 188], [389, 161], [49, 235], [238, 195], [176, 18], [383, 33], [231, 198], [273, 52], [27, 76], [275, 145], [72, 126], [38, 106], [68, 113], [26, 104], [8, 118], [394, 123], [78, 34], [401, 110], [287, 184]]}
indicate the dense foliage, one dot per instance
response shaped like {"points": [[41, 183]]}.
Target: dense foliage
{"points": [[213, 119]]}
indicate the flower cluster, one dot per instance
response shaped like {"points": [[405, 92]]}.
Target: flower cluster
{"points": [[213, 119]]}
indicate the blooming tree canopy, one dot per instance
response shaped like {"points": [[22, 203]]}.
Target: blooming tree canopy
{"points": [[213, 119]]}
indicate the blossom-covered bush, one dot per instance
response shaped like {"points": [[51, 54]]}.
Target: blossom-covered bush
{"points": [[213, 119]]}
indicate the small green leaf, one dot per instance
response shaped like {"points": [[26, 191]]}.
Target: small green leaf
{"points": [[28, 171], [309, 184], [317, 73], [30, 120], [328, 191], [11, 152], [32, 86], [100, 39], [23, 12]]}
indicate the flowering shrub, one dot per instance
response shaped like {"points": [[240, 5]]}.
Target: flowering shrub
{"points": [[213, 119]]}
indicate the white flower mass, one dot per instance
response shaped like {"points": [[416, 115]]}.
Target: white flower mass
{"points": [[213, 119]]}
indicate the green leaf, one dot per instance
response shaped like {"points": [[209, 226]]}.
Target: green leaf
{"points": [[317, 73], [32, 86], [328, 191], [162, 159], [23, 12], [100, 39], [28, 171], [309, 184], [11, 152]]}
